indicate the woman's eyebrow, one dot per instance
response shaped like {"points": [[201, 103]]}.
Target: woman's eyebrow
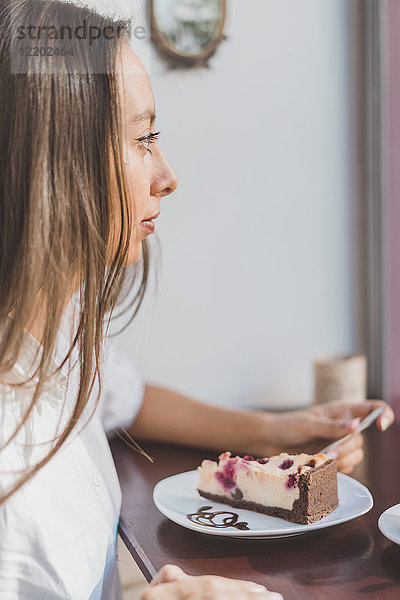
{"points": [[144, 116]]}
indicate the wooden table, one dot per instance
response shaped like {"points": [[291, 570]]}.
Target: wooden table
{"points": [[350, 560]]}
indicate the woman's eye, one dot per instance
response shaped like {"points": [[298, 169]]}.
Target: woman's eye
{"points": [[148, 139]]}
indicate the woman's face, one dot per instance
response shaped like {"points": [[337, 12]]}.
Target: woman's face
{"points": [[149, 175]]}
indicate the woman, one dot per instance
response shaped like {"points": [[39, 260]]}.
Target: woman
{"points": [[81, 175]]}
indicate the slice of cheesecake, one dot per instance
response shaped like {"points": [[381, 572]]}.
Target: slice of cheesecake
{"points": [[301, 488]]}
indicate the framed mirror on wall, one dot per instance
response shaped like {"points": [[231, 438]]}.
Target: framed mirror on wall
{"points": [[187, 32]]}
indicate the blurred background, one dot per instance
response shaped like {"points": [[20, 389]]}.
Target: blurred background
{"points": [[272, 250]]}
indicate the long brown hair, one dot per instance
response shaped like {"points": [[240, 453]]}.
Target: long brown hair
{"points": [[62, 189]]}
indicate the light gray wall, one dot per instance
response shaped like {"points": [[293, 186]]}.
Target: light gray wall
{"points": [[256, 274]]}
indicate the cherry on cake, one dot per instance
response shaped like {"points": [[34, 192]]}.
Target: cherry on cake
{"points": [[301, 488]]}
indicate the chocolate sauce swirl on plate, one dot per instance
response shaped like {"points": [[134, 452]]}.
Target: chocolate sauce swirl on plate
{"points": [[206, 518]]}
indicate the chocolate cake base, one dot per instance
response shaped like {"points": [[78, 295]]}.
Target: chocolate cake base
{"points": [[318, 497]]}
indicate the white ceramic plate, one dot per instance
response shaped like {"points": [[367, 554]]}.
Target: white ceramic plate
{"points": [[177, 497], [389, 523]]}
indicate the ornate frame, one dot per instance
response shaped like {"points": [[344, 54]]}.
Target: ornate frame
{"points": [[178, 58]]}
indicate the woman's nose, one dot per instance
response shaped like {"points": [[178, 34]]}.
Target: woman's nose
{"points": [[172, 182], [165, 181]]}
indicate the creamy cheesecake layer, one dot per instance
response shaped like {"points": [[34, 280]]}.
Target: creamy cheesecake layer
{"points": [[272, 483]]}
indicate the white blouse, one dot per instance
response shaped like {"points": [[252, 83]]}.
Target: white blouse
{"points": [[58, 532]]}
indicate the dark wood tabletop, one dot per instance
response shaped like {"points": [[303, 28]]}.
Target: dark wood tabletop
{"points": [[347, 561]]}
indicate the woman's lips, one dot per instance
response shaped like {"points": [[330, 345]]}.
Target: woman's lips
{"points": [[148, 223]]}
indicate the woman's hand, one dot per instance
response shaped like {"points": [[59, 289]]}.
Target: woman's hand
{"points": [[171, 583], [311, 429]]}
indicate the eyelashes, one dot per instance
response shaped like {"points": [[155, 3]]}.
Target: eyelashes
{"points": [[148, 139]]}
